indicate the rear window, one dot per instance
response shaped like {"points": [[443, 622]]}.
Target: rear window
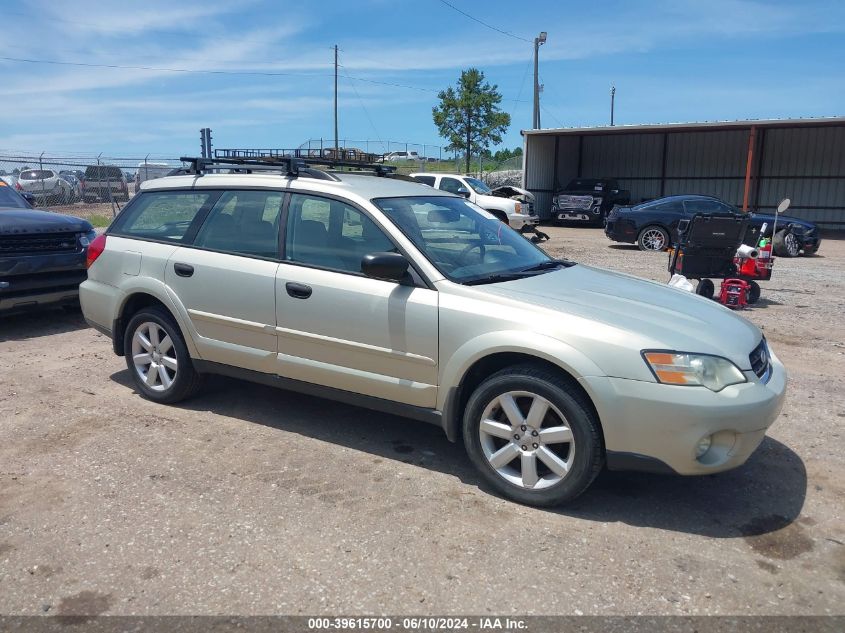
{"points": [[163, 215], [35, 174], [103, 172]]}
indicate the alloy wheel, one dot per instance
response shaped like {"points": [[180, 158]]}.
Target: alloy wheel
{"points": [[654, 240], [527, 440], [791, 244], [154, 356]]}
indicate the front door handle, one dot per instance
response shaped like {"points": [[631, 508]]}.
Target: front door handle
{"points": [[183, 270], [298, 291]]}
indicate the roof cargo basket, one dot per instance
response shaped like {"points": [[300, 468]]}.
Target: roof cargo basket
{"points": [[329, 157]]}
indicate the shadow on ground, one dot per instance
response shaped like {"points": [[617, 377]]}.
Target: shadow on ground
{"points": [[765, 495], [20, 326]]}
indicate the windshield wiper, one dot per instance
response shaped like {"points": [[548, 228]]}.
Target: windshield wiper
{"points": [[498, 277], [550, 264]]}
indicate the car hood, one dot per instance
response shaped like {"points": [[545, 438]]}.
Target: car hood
{"points": [[20, 221], [612, 309]]}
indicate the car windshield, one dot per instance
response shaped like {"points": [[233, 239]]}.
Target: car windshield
{"points": [[479, 186], [586, 184], [10, 199], [463, 242]]}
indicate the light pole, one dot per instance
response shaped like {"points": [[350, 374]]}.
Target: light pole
{"points": [[612, 103], [540, 39]]}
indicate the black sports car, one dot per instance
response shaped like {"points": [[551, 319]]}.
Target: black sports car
{"points": [[653, 225]]}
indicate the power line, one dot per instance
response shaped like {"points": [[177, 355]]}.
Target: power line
{"points": [[361, 102], [489, 26], [160, 69]]}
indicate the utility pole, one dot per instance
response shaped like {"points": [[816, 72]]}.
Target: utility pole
{"points": [[336, 153], [612, 103], [540, 39]]}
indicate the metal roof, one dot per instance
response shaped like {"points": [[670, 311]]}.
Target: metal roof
{"points": [[690, 127]]}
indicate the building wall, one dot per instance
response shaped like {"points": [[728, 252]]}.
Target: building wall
{"points": [[806, 164]]}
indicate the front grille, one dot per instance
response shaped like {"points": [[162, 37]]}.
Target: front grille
{"points": [[759, 358], [43, 243]]}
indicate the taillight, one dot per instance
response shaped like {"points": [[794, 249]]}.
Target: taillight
{"points": [[95, 249], [18, 186]]}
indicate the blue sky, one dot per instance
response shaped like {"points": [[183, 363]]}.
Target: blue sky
{"points": [[680, 60]]}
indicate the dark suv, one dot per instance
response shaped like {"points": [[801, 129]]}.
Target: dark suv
{"points": [[42, 254], [104, 182]]}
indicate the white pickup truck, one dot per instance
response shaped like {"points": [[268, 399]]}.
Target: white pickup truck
{"points": [[517, 214]]}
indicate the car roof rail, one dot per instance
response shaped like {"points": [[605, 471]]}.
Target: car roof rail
{"points": [[328, 157]]}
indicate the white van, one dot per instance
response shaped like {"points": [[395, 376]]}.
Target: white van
{"points": [[151, 171]]}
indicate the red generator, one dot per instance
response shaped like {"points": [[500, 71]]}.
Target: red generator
{"points": [[734, 293]]}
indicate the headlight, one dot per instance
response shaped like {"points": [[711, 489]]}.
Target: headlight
{"points": [[517, 207], [678, 368], [89, 237]]}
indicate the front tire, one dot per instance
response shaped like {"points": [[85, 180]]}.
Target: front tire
{"points": [[158, 358], [705, 288], [653, 239], [786, 244], [532, 437]]}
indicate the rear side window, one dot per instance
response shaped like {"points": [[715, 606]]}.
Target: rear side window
{"points": [[163, 215], [35, 174], [245, 223], [426, 180]]}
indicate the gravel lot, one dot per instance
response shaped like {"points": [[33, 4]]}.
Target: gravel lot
{"points": [[248, 500]]}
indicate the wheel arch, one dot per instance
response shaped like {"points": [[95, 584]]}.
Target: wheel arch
{"points": [[136, 300], [568, 364]]}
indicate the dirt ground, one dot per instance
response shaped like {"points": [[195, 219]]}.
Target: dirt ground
{"points": [[249, 500]]}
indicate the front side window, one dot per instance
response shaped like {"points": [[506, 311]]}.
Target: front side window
{"points": [[162, 215], [330, 234], [243, 222], [461, 241], [703, 205], [450, 184]]}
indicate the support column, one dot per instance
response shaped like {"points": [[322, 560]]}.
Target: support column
{"points": [[749, 161]]}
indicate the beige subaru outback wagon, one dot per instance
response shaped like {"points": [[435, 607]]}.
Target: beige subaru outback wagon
{"points": [[391, 295]]}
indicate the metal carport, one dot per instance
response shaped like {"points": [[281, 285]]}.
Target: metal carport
{"points": [[751, 164]]}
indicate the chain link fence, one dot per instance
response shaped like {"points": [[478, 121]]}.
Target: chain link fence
{"points": [[96, 186]]}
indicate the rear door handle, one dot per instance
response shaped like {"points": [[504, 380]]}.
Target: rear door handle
{"points": [[183, 270], [298, 291]]}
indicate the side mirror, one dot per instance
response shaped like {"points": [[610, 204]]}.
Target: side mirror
{"points": [[386, 266], [463, 191], [784, 205]]}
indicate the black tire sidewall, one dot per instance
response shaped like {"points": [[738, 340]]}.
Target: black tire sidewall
{"points": [[589, 454], [705, 288], [753, 292], [182, 385]]}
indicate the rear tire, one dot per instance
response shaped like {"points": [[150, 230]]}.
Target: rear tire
{"points": [[158, 358], [705, 288], [542, 456], [653, 239]]}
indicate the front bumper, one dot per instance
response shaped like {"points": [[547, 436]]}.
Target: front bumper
{"points": [[40, 280], [592, 215], [651, 423], [620, 230], [517, 220]]}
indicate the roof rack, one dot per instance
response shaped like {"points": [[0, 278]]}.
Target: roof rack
{"points": [[331, 158]]}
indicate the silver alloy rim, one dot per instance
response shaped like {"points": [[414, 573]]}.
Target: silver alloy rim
{"points": [[527, 440], [154, 356], [653, 240], [791, 243]]}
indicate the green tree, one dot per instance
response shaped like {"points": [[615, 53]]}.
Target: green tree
{"points": [[469, 116]]}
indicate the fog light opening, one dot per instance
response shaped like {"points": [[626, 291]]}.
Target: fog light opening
{"points": [[703, 446]]}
